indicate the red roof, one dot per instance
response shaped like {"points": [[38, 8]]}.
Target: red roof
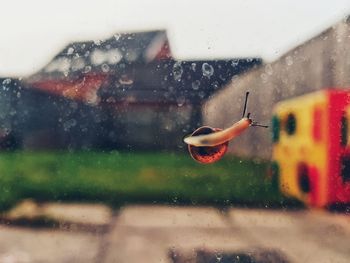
{"points": [[82, 89]]}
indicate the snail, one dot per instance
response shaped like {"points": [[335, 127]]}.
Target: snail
{"points": [[208, 145]]}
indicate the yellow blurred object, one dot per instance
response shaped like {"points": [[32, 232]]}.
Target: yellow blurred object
{"points": [[300, 152]]}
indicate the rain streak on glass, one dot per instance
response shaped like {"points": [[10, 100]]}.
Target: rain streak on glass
{"points": [[177, 71], [207, 70]]}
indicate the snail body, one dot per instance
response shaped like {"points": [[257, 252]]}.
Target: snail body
{"points": [[208, 145]]}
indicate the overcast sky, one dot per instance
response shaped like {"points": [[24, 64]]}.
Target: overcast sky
{"points": [[32, 32]]}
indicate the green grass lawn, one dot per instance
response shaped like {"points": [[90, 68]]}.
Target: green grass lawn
{"points": [[120, 178]]}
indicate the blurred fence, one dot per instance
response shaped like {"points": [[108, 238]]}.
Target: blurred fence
{"points": [[322, 62]]}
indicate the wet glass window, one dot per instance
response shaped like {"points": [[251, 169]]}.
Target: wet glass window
{"points": [[174, 131]]}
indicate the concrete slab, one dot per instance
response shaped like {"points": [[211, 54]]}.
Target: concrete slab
{"points": [[128, 244], [90, 214], [165, 216], [18, 244], [25, 209], [263, 218], [206, 256], [304, 236], [149, 233], [71, 213]]}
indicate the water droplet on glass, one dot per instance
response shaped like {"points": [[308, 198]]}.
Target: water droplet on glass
{"points": [[196, 84], [110, 100], [166, 95], [69, 124], [97, 42], [218, 256], [268, 69], [6, 81], [215, 85], [207, 70], [289, 60], [77, 64], [180, 101], [105, 68], [193, 66], [177, 71], [70, 51], [264, 77], [234, 63], [87, 69], [125, 80], [131, 55]]}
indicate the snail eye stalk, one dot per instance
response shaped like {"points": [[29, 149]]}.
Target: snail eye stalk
{"points": [[245, 104]]}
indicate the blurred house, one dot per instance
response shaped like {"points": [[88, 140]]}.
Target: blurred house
{"points": [[123, 92], [8, 95], [33, 119]]}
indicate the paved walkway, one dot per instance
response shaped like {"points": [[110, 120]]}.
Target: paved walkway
{"points": [[85, 233]]}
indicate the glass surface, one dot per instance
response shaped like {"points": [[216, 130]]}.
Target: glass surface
{"points": [[174, 131]]}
